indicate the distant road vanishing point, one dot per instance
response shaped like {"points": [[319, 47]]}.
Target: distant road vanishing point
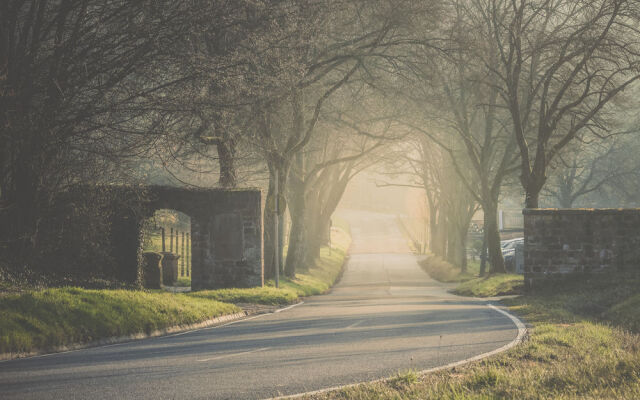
{"points": [[385, 315]]}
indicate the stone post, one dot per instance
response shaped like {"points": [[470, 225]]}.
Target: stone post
{"points": [[169, 268], [152, 271]]}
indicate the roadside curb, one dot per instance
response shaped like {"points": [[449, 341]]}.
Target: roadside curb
{"points": [[522, 331], [175, 330]]}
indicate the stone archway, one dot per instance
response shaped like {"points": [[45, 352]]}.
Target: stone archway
{"points": [[226, 233]]}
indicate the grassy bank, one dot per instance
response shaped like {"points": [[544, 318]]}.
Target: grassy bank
{"points": [[584, 342], [443, 271], [469, 283], [40, 320], [492, 285], [50, 318]]}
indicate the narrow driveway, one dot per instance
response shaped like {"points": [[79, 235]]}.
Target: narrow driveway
{"points": [[386, 315]]}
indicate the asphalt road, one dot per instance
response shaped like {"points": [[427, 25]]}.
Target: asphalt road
{"points": [[385, 315]]}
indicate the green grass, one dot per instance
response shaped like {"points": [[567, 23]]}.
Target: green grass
{"points": [[492, 285], [443, 271], [583, 343], [257, 295], [184, 281], [40, 320], [610, 299], [626, 313], [45, 319], [470, 284]]}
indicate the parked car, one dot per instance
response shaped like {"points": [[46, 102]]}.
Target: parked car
{"points": [[509, 252]]}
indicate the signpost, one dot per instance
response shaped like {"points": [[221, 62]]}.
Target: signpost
{"points": [[276, 231]]}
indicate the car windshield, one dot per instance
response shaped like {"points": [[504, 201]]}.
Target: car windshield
{"points": [[511, 244]]}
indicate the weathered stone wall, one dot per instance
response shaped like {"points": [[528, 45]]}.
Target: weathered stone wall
{"points": [[566, 241]]}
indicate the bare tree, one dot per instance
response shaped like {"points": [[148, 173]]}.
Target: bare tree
{"points": [[561, 64], [587, 168], [427, 166], [314, 51], [319, 175], [75, 81]]}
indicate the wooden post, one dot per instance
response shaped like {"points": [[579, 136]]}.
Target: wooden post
{"points": [[177, 236], [171, 241], [163, 243], [183, 256]]}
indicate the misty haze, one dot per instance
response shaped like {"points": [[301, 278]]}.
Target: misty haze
{"points": [[320, 199]]}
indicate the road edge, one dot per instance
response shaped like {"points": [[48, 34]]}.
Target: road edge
{"points": [[522, 331]]}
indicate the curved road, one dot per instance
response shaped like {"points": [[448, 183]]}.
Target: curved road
{"points": [[384, 316]]}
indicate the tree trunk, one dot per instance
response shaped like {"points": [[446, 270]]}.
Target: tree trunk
{"points": [[463, 248], [268, 230], [227, 177], [433, 227], [298, 234], [297, 244], [318, 235], [323, 203], [440, 235], [314, 244], [531, 200], [532, 191], [493, 239], [452, 244]]}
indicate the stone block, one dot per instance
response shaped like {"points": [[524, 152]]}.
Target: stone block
{"points": [[169, 268], [152, 270]]}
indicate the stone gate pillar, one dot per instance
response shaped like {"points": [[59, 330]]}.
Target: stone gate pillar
{"points": [[227, 241]]}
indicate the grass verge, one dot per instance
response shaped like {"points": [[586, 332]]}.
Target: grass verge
{"points": [[50, 318], [492, 285], [584, 342], [257, 295], [443, 271], [470, 284]]}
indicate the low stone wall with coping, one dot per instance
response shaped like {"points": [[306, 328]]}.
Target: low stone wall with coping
{"points": [[558, 242]]}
